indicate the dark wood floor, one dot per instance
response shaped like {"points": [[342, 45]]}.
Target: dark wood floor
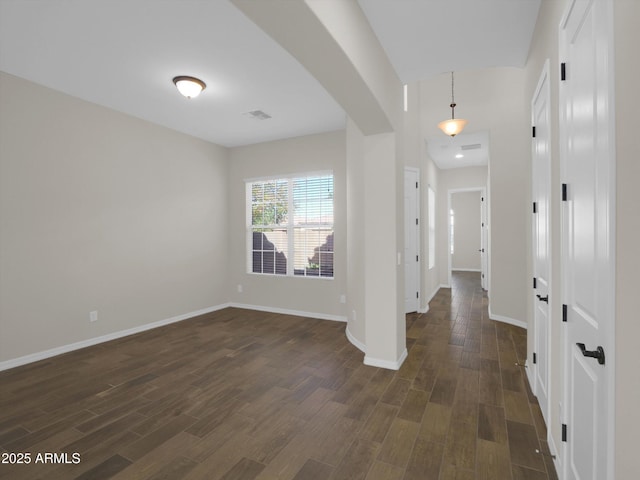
{"points": [[239, 394]]}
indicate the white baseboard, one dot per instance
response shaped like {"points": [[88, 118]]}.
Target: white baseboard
{"points": [[466, 270], [356, 343], [510, 321], [286, 311], [433, 294], [390, 365], [34, 357]]}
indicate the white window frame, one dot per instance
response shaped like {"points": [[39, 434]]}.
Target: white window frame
{"points": [[290, 226]]}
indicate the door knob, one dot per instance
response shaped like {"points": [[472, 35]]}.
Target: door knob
{"points": [[543, 299], [597, 354]]}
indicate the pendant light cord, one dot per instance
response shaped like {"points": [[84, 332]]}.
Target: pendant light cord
{"points": [[453, 103]]}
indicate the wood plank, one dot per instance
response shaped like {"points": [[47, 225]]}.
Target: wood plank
{"points": [[414, 405], [175, 470], [425, 379], [102, 435], [357, 460], [490, 383], [161, 458], [379, 422], [444, 389], [314, 470], [156, 438], [436, 422], [384, 471], [106, 469], [523, 473], [245, 469], [451, 472], [398, 444], [516, 406], [425, 460], [460, 449], [492, 424], [523, 443], [493, 461], [396, 392]]}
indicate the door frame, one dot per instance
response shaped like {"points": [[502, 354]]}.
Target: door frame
{"points": [[607, 49], [543, 88], [484, 261], [415, 171]]}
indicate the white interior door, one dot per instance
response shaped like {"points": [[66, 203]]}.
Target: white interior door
{"points": [[541, 192], [411, 241], [587, 161]]}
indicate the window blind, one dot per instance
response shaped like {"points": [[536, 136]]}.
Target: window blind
{"points": [[290, 226]]}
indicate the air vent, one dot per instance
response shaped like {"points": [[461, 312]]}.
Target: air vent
{"points": [[258, 115], [473, 146]]}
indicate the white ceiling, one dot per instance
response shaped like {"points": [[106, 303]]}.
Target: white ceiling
{"points": [[123, 54], [474, 148], [427, 37]]}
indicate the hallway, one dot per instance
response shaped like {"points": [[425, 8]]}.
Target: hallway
{"points": [[484, 415], [240, 394]]}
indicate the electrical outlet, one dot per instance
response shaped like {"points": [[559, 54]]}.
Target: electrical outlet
{"points": [[93, 316], [239, 288], [343, 298]]}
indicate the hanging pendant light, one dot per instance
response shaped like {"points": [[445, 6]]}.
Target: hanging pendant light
{"points": [[454, 125]]}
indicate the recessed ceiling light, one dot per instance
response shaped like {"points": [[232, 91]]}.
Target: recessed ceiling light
{"points": [[459, 155], [190, 87]]}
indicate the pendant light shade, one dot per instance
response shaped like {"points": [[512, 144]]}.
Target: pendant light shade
{"points": [[453, 126], [190, 87]]}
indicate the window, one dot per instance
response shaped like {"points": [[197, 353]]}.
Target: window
{"points": [[290, 226], [452, 221], [432, 227]]}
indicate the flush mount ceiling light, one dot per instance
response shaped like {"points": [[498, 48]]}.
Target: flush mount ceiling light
{"points": [[454, 125], [190, 87]]}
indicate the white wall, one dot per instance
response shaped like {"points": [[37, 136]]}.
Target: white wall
{"points": [[466, 241], [356, 327], [312, 153], [101, 211], [627, 360]]}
